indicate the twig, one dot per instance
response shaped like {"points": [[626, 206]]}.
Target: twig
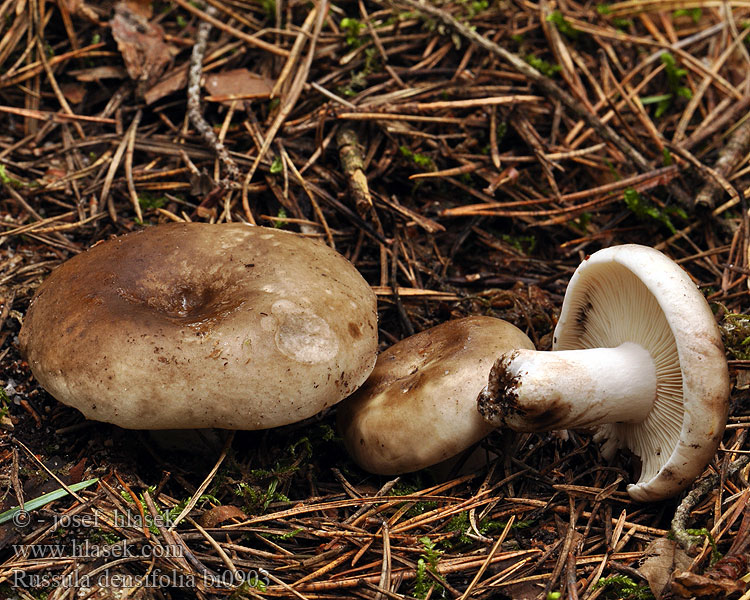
{"points": [[353, 164], [731, 154], [724, 578], [194, 100], [682, 514]]}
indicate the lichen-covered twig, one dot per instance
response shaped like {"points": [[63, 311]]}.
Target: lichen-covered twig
{"points": [[723, 578], [689, 502], [729, 156], [353, 164], [194, 100]]}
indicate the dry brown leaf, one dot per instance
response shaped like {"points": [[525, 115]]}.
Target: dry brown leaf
{"points": [[83, 10], [141, 44], [219, 514], [172, 81], [239, 83], [664, 557], [99, 73], [73, 92], [692, 585], [142, 8]]}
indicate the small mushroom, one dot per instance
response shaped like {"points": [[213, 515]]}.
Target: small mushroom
{"points": [[191, 325], [636, 354], [418, 407]]}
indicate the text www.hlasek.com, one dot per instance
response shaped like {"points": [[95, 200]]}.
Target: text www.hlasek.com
{"points": [[87, 550], [119, 550]]}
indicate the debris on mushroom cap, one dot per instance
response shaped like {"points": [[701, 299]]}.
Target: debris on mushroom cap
{"points": [[659, 335], [192, 325], [418, 407]]}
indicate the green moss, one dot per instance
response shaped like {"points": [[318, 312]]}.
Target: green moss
{"points": [[428, 561], [460, 525], [404, 488], [276, 166], [735, 329], [525, 244], [257, 500], [352, 29], [421, 160], [472, 8], [358, 79], [675, 75], [545, 68], [622, 586], [8, 179], [694, 13], [645, 210], [559, 21], [703, 532], [151, 201], [4, 403], [269, 7]]}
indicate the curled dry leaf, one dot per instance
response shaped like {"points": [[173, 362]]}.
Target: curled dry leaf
{"points": [[664, 557], [83, 10], [141, 44], [218, 514], [142, 8], [692, 585], [237, 84], [73, 92], [99, 73], [173, 80]]}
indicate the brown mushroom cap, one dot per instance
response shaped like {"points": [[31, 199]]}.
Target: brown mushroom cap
{"points": [[192, 325], [418, 407]]}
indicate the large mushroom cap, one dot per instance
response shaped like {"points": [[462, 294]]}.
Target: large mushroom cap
{"points": [[194, 325], [418, 407], [633, 293]]}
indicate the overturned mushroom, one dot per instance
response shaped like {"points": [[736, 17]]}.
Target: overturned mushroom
{"points": [[418, 407], [638, 354], [194, 325]]}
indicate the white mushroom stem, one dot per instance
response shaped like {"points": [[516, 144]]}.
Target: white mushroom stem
{"points": [[569, 389]]}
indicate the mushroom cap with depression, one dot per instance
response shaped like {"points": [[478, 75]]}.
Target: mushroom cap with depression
{"points": [[191, 325], [633, 293], [418, 407]]}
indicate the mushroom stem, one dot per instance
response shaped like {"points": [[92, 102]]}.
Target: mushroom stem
{"points": [[542, 391]]}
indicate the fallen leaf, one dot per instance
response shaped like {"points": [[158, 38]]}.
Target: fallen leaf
{"points": [[664, 557], [73, 92], [692, 585], [99, 73], [142, 8], [83, 10], [76, 471], [219, 514], [172, 81], [237, 83], [6, 423], [141, 44]]}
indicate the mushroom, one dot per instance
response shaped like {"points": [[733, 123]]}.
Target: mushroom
{"points": [[192, 325], [636, 354], [418, 407]]}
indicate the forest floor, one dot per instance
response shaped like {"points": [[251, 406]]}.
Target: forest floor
{"points": [[465, 155]]}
